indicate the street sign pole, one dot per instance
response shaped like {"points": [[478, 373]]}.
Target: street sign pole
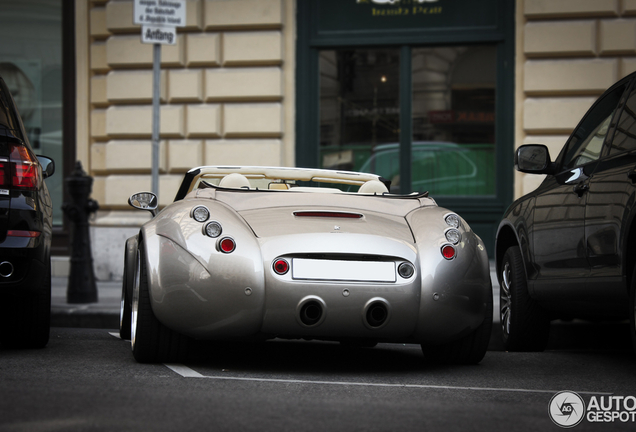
{"points": [[159, 20], [156, 116]]}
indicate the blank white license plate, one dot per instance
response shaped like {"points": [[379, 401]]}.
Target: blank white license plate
{"points": [[337, 270]]}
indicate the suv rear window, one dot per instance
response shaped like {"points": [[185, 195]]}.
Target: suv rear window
{"points": [[9, 123]]}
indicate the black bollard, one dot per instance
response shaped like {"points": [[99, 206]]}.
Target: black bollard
{"points": [[81, 282]]}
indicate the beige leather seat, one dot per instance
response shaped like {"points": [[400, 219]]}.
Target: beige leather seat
{"points": [[373, 186], [235, 181]]}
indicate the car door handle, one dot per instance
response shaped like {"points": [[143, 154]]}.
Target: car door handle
{"points": [[581, 188]]}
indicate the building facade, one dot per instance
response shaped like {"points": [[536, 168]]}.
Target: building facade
{"points": [[432, 94]]}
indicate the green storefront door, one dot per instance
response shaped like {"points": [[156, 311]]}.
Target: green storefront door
{"points": [[420, 92]]}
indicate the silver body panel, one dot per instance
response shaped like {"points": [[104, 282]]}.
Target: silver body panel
{"points": [[198, 291]]}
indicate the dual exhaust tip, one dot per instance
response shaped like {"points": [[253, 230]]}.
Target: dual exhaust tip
{"points": [[312, 312], [6, 269]]}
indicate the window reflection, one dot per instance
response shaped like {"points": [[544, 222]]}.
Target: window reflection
{"points": [[359, 105], [453, 111], [31, 65]]}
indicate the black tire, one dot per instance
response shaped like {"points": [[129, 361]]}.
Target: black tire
{"points": [[26, 318], [152, 342], [125, 310], [632, 310], [524, 324], [470, 349]]}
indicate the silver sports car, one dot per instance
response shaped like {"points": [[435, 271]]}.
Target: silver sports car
{"points": [[253, 253]]}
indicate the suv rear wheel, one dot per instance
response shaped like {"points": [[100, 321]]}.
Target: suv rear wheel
{"points": [[525, 325]]}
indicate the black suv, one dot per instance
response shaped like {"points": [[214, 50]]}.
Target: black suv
{"points": [[568, 249], [25, 234]]}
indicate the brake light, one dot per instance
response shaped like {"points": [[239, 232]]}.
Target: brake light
{"points": [[20, 233], [281, 266], [21, 171], [227, 245], [328, 214], [448, 251]]}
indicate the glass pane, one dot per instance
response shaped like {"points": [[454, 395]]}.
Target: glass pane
{"points": [[359, 105], [454, 120], [625, 137], [31, 65]]}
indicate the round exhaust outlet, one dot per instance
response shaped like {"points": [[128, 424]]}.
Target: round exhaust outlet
{"points": [[311, 311], [376, 313]]}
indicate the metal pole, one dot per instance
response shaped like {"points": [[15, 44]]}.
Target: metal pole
{"points": [[406, 129], [156, 89]]}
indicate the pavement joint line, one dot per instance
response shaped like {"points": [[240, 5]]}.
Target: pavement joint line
{"points": [[186, 372]]}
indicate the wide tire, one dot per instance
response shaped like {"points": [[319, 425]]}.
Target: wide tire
{"points": [[125, 310], [470, 349], [524, 324], [26, 318], [152, 342]]}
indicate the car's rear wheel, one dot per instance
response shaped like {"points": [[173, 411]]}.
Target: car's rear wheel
{"points": [[470, 349], [26, 317], [525, 325], [152, 342], [125, 310]]}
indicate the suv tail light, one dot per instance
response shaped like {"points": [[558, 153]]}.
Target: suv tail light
{"points": [[20, 171]]}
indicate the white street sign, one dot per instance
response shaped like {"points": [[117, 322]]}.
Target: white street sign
{"points": [[159, 35], [164, 13]]}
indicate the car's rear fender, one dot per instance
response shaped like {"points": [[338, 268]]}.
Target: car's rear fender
{"points": [[195, 288], [454, 292]]}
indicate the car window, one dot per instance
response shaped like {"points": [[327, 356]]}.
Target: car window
{"points": [[625, 135], [9, 125], [586, 143]]}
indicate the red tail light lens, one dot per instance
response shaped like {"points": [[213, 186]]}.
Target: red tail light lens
{"points": [[448, 251], [281, 266], [20, 233], [227, 245], [21, 171], [328, 214]]}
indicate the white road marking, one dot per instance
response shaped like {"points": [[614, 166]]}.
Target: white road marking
{"points": [[114, 334], [186, 372]]}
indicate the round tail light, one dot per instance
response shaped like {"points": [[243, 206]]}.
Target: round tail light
{"points": [[227, 245], [448, 252], [281, 266]]}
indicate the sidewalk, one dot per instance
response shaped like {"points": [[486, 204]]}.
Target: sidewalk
{"points": [[105, 313]]}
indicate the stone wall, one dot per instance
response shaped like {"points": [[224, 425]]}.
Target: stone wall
{"points": [[227, 98], [568, 53]]}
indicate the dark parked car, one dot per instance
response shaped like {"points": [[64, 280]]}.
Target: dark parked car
{"points": [[568, 249], [25, 234]]}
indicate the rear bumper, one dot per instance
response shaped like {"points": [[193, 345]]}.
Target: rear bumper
{"points": [[239, 295]]}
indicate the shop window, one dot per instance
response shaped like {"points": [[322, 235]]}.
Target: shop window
{"points": [[31, 65], [453, 116]]}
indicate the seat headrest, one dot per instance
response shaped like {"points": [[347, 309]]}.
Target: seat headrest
{"points": [[373, 186], [235, 181]]}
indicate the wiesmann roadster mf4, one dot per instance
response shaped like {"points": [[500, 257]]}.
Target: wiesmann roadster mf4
{"points": [[253, 253]]}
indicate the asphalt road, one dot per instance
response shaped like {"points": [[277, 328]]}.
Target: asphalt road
{"points": [[87, 380]]}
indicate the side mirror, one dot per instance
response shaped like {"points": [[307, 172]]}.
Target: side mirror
{"points": [[533, 159], [48, 166], [144, 201]]}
